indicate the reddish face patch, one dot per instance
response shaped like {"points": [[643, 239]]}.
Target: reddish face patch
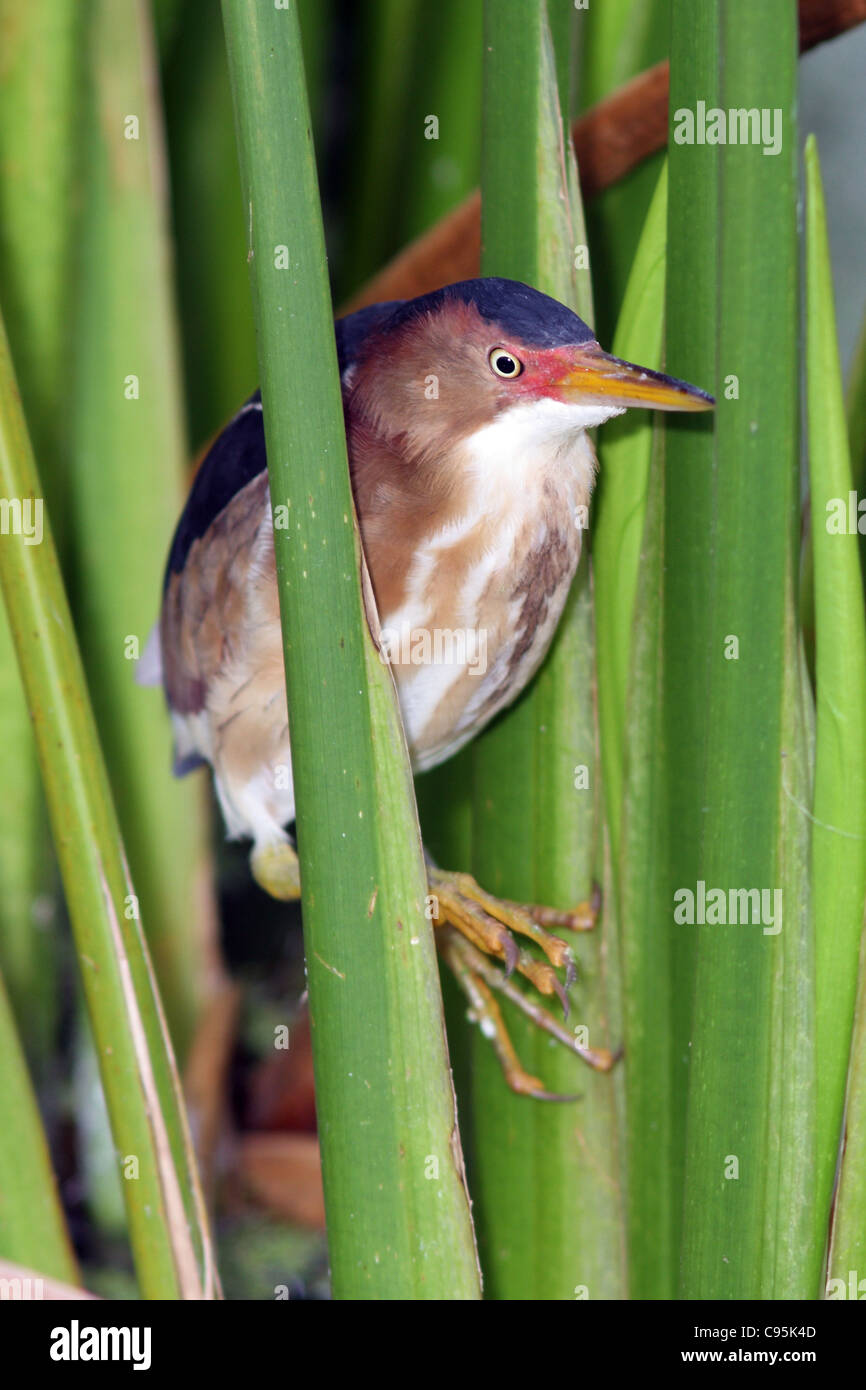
{"points": [[585, 374]]}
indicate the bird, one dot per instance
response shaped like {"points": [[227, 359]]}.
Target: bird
{"points": [[468, 413]]}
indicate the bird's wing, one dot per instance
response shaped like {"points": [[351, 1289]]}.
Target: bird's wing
{"points": [[234, 459], [202, 551], [238, 454]]}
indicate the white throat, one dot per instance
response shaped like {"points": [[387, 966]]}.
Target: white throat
{"points": [[533, 441]]}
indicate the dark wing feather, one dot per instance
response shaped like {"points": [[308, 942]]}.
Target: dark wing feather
{"points": [[204, 579], [238, 455]]}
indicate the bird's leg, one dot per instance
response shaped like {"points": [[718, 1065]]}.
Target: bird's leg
{"points": [[490, 932], [484, 1010], [275, 867], [487, 922], [478, 978], [471, 927], [599, 1058]]}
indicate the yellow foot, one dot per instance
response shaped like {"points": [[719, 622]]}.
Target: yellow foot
{"points": [[478, 977], [276, 869], [488, 922], [471, 927], [484, 1010]]}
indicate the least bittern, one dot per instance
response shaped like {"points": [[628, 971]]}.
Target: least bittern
{"points": [[467, 415]]}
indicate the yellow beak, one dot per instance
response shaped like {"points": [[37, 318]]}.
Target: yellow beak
{"points": [[594, 375]]}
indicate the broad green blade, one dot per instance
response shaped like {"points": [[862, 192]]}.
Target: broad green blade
{"points": [[210, 229], [732, 693], [856, 406], [848, 1246], [32, 1225], [398, 1212], [29, 909], [627, 552], [167, 1222], [652, 1013], [794, 1235], [127, 484], [382, 88], [618, 40], [839, 801], [564, 22], [545, 1177], [317, 25], [39, 98], [438, 140], [856, 410], [625, 448]]}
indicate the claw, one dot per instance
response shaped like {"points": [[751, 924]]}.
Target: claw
{"points": [[562, 996], [570, 973], [512, 955]]}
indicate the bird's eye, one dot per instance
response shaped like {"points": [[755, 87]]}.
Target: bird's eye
{"points": [[505, 363]]}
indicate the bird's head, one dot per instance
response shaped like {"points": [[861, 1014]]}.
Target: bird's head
{"points": [[429, 373]]}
